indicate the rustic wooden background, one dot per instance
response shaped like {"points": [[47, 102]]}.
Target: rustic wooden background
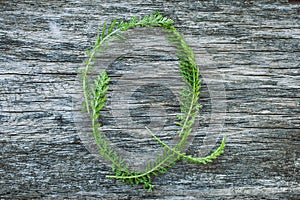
{"points": [[253, 45]]}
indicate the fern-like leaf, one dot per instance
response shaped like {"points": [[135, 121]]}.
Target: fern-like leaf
{"points": [[97, 103], [95, 98], [190, 94], [183, 156], [164, 161]]}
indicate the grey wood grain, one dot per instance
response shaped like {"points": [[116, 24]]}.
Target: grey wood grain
{"points": [[252, 45]]}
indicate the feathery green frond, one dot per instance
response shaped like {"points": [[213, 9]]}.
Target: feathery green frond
{"points": [[164, 161], [95, 98], [97, 103], [189, 158]]}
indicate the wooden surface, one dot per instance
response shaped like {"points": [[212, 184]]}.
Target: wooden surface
{"points": [[253, 49]]}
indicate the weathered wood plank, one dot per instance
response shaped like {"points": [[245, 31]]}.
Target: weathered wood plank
{"points": [[252, 45]]}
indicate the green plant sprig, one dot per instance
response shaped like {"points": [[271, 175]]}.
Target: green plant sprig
{"points": [[97, 103], [190, 94], [183, 156], [95, 98]]}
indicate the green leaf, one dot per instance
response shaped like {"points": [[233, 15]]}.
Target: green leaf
{"points": [[103, 31], [95, 99], [113, 24]]}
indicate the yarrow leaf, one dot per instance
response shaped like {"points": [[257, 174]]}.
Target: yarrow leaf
{"points": [[95, 99]]}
